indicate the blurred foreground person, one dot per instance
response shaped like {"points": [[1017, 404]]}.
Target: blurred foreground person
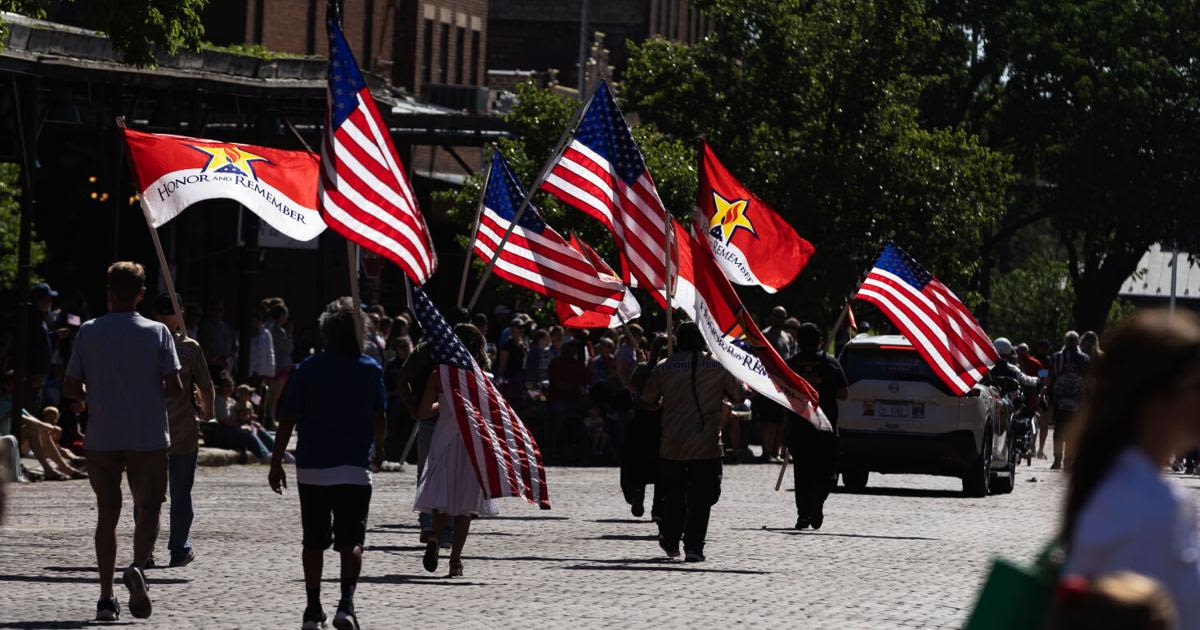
{"points": [[1121, 601], [1143, 405]]}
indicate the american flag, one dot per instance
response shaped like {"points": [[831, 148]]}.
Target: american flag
{"points": [[535, 256], [503, 452], [931, 317], [602, 173], [364, 194]]}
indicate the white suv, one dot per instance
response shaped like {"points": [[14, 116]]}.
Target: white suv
{"points": [[901, 418]]}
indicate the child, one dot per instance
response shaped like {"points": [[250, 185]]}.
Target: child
{"points": [[243, 407]]}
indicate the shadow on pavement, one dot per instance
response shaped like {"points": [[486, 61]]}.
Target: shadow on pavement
{"points": [[431, 580], [59, 579], [794, 532], [66, 625], [674, 567], [922, 493], [524, 518], [631, 521], [394, 548], [398, 526], [622, 537]]}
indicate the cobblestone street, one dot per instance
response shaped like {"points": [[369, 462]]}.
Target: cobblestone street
{"points": [[909, 552]]}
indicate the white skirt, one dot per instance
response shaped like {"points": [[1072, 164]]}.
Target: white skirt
{"points": [[448, 483]]}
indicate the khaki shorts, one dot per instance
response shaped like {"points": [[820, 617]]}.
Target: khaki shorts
{"points": [[146, 470]]}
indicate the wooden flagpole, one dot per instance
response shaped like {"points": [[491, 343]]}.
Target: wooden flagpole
{"points": [[487, 177], [537, 183], [670, 281], [164, 269], [352, 264]]}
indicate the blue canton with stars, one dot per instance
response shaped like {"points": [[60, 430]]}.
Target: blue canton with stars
{"points": [[446, 347], [604, 130], [345, 81], [898, 262], [505, 194]]}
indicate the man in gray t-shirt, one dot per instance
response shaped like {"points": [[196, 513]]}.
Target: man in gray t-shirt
{"points": [[128, 365]]}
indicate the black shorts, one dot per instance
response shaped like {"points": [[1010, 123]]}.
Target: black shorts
{"points": [[334, 515]]}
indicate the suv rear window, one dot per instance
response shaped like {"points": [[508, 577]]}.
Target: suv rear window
{"points": [[888, 364]]}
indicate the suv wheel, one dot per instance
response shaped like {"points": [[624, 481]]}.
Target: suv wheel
{"points": [[977, 482], [1003, 484], [855, 480]]}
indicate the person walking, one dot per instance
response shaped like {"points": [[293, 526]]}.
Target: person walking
{"points": [[1121, 513], [814, 452], [449, 489], [129, 367], [639, 456], [196, 397], [281, 348], [770, 414], [690, 387], [336, 402], [1067, 370]]}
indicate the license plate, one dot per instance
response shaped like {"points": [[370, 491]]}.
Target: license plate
{"points": [[893, 410]]}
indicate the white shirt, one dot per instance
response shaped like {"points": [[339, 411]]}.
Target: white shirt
{"points": [[1137, 520], [262, 354]]}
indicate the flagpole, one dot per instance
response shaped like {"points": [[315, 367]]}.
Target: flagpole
{"points": [[670, 284], [487, 177], [164, 269], [537, 183], [352, 265]]}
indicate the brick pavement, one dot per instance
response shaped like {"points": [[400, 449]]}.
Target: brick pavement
{"points": [[910, 555]]}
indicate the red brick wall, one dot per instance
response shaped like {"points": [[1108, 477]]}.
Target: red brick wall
{"points": [[470, 14]]}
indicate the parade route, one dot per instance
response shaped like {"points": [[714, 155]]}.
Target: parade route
{"points": [[907, 553]]}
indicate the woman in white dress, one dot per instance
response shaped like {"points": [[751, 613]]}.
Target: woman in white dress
{"points": [[1122, 512], [448, 487]]}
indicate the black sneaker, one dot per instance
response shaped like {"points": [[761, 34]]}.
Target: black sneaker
{"points": [[183, 560], [672, 549], [344, 618], [430, 561], [818, 518], [693, 556], [108, 609], [314, 619], [638, 509], [139, 599], [803, 522]]}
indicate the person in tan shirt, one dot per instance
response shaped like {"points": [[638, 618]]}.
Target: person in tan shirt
{"points": [[184, 413], [691, 387]]}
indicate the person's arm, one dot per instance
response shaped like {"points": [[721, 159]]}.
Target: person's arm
{"points": [[501, 363], [168, 364], [839, 379], [202, 380], [74, 379], [73, 389], [652, 393], [429, 400], [283, 434], [173, 385]]}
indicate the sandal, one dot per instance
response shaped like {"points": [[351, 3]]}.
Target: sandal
{"points": [[430, 560], [456, 568]]}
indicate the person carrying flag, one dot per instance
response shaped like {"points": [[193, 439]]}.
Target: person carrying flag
{"points": [[815, 452], [690, 386]]}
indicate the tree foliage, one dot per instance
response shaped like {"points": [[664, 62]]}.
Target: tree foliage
{"points": [[139, 29], [815, 105], [10, 228]]}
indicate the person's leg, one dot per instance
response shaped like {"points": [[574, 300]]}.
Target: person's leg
{"points": [[273, 396], [351, 505], [1060, 425], [824, 475], [703, 483], [147, 475], [800, 479], [12, 458], [1043, 424], [181, 476], [267, 441], [104, 475], [316, 514], [673, 508], [462, 526], [424, 440]]}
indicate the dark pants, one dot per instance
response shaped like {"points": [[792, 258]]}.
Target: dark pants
{"points": [[639, 457], [1062, 424], [181, 476], [688, 490], [814, 454], [334, 515]]}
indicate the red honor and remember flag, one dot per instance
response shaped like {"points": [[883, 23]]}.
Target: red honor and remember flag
{"points": [[936, 322], [364, 193], [174, 172], [753, 245]]}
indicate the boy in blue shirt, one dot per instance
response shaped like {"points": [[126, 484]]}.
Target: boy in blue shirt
{"points": [[336, 399]]}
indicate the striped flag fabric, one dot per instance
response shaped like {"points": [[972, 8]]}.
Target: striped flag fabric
{"points": [[601, 172], [505, 457], [364, 194], [928, 313], [572, 316], [535, 256]]}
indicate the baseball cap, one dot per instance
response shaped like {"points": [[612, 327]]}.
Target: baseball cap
{"points": [[41, 290]]}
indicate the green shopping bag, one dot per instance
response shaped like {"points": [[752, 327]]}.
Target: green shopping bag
{"points": [[1015, 597]]}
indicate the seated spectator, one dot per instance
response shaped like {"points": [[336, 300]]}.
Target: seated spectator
{"points": [[41, 438], [237, 428], [223, 404]]}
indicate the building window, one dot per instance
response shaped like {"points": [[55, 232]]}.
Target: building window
{"points": [[460, 55], [476, 57], [427, 54], [444, 55]]}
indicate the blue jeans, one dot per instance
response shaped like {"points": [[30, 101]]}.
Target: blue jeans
{"points": [[257, 443], [181, 471]]}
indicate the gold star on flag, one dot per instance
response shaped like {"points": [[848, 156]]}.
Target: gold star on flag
{"points": [[228, 159], [730, 215]]}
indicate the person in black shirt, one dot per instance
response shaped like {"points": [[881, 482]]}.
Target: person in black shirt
{"points": [[815, 452]]}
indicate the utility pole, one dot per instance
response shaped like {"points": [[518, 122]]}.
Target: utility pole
{"points": [[1174, 272], [584, 6]]}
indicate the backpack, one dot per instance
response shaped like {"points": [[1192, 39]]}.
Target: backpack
{"points": [[1068, 381]]}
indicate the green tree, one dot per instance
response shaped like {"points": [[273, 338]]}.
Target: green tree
{"points": [[815, 105], [139, 29], [10, 224]]}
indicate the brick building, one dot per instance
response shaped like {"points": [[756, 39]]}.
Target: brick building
{"points": [[424, 46], [541, 35]]}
